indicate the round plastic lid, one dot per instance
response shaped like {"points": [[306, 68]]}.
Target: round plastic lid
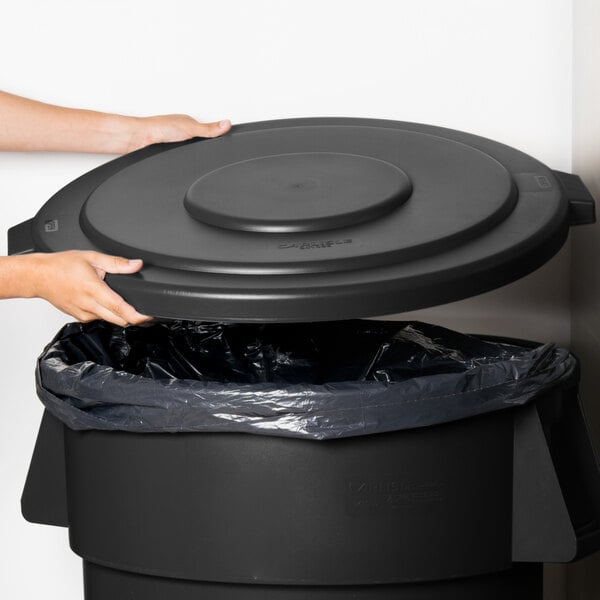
{"points": [[312, 219]]}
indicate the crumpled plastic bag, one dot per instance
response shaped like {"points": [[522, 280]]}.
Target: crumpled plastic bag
{"points": [[317, 381]]}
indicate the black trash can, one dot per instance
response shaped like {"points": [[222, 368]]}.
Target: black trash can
{"points": [[311, 221]]}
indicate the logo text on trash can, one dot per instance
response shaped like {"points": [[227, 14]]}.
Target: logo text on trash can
{"points": [[313, 245], [392, 493]]}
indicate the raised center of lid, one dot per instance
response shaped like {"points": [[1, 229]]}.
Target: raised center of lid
{"points": [[298, 192]]}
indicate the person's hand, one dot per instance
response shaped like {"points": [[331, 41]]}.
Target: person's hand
{"points": [[28, 125], [73, 282], [172, 128]]}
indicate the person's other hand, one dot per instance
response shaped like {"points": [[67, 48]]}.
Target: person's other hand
{"points": [[172, 128], [73, 282]]}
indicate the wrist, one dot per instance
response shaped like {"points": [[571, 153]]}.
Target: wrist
{"points": [[120, 133]]}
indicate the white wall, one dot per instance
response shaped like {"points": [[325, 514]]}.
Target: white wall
{"points": [[584, 577], [500, 68]]}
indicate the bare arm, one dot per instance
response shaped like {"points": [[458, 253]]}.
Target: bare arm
{"points": [[74, 281], [71, 281], [29, 125]]}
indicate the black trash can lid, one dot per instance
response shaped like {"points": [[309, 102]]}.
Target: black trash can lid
{"points": [[313, 219]]}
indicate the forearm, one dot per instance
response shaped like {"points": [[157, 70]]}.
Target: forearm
{"points": [[30, 125], [18, 276]]}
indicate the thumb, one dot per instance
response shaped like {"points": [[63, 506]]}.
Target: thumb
{"points": [[215, 129], [116, 264]]}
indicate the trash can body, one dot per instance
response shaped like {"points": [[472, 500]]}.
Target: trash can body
{"points": [[389, 508], [471, 508]]}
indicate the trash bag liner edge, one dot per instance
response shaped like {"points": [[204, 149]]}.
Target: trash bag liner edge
{"points": [[406, 375]]}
